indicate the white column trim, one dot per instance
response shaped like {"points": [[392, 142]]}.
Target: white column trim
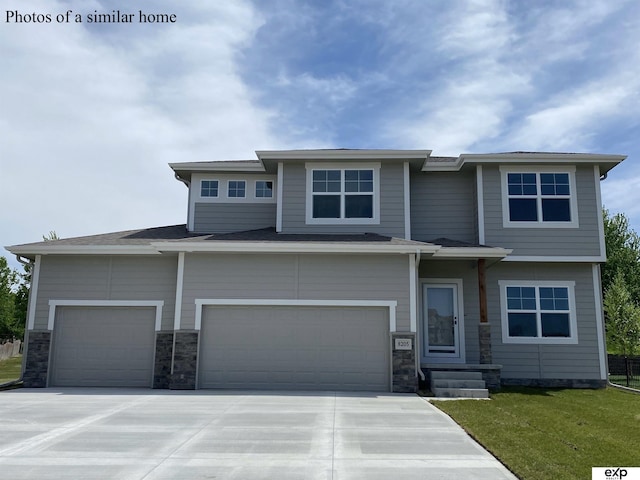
{"points": [[33, 294], [177, 316], [407, 201], [279, 187], [602, 346], [603, 247], [413, 285], [480, 202]]}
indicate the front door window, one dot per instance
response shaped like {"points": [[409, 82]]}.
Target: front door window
{"points": [[441, 329]]}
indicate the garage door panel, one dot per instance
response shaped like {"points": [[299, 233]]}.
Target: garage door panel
{"points": [[103, 346], [307, 348]]}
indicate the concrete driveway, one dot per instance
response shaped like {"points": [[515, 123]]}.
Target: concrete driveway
{"points": [[83, 433]]}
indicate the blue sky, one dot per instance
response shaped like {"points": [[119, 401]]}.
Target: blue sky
{"points": [[92, 113]]}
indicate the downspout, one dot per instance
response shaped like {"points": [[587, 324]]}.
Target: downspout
{"points": [[25, 342], [418, 356]]}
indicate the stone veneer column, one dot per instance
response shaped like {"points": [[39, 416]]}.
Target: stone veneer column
{"points": [[164, 354], [185, 360], [484, 337], [405, 379], [37, 365]]}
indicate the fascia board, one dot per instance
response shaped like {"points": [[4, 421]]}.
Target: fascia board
{"points": [[542, 158], [292, 247], [83, 250], [472, 252], [229, 166], [342, 154]]}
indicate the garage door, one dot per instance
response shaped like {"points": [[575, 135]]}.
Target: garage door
{"points": [[103, 347], [298, 348]]}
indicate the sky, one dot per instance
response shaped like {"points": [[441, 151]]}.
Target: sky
{"points": [[92, 113]]}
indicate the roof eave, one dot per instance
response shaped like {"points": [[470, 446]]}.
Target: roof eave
{"points": [[339, 154], [472, 252], [29, 250], [293, 247]]}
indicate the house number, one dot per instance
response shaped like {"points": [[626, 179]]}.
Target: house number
{"points": [[403, 344]]}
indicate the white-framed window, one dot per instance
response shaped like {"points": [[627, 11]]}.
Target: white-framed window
{"points": [[264, 189], [237, 189], [339, 194], [539, 196], [538, 312], [209, 188]]}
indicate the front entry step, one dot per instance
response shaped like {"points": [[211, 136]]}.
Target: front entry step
{"points": [[458, 384]]}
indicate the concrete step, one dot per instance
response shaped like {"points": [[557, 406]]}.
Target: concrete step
{"points": [[450, 375], [461, 392], [453, 383]]}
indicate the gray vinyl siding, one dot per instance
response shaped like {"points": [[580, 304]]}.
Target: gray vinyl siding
{"points": [[580, 361], [391, 203], [217, 217], [459, 270], [66, 277], [580, 241], [300, 277], [443, 205]]}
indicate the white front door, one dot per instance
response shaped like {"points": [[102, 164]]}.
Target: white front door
{"points": [[442, 323]]}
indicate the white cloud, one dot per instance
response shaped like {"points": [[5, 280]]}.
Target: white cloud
{"points": [[90, 118]]}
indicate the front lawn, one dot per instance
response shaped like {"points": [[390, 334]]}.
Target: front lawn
{"points": [[549, 433], [10, 369]]}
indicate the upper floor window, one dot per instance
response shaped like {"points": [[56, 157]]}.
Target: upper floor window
{"points": [[237, 189], [539, 198], [343, 194], [339, 194], [264, 189], [209, 188], [538, 312]]}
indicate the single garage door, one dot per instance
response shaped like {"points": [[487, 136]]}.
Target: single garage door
{"points": [[298, 348], [103, 347]]}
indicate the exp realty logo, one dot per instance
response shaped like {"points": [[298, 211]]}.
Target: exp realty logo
{"points": [[615, 473]]}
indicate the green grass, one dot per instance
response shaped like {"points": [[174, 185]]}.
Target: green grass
{"points": [[548, 433], [10, 369]]}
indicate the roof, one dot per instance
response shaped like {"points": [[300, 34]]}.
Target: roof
{"points": [[176, 238], [268, 160]]}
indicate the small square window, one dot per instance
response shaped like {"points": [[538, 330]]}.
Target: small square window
{"points": [[264, 189], [209, 188], [237, 189]]}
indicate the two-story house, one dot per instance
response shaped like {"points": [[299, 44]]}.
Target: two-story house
{"points": [[337, 270]]}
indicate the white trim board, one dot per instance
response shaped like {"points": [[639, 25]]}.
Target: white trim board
{"points": [[33, 295], [235, 302], [603, 247], [407, 201], [179, 287], [279, 182], [480, 203], [554, 258], [602, 348], [158, 304]]}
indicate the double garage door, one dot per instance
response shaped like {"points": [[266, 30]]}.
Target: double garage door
{"points": [[257, 347], [292, 347]]}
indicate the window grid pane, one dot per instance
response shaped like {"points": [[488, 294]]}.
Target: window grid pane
{"points": [[209, 188], [523, 311], [236, 188], [550, 203], [264, 189], [349, 193]]}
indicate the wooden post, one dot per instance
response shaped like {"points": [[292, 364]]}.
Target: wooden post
{"points": [[484, 329]]}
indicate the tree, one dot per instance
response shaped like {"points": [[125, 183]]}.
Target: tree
{"points": [[623, 254], [8, 278]]}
